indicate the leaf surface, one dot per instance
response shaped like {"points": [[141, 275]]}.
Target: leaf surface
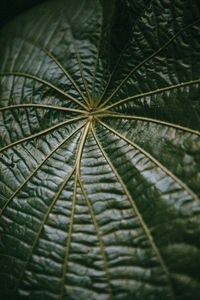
{"points": [[99, 158]]}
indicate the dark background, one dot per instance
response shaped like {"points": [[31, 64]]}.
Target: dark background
{"points": [[10, 8]]}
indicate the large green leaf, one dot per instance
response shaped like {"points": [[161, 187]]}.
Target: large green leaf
{"points": [[100, 176]]}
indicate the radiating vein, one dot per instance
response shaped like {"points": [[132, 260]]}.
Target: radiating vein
{"points": [[98, 235], [119, 58], [38, 167], [160, 122], [24, 105], [81, 68], [132, 202], [44, 82], [41, 133], [69, 77], [68, 240], [168, 88], [77, 170], [155, 161], [147, 59], [60, 66], [94, 77], [42, 226]]}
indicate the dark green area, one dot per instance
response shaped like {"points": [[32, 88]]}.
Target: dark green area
{"points": [[100, 150], [9, 8]]}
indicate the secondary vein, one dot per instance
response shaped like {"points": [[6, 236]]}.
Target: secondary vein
{"points": [[140, 118], [155, 161], [24, 105], [77, 171], [41, 133], [44, 82], [139, 216], [38, 167], [147, 59], [98, 235], [150, 93]]}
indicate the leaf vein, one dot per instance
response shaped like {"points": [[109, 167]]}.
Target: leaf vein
{"points": [[147, 59], [37, 168], [98, 235], [160, 122], [40, 133], [140, 218], [44, 82], [155, 161]]}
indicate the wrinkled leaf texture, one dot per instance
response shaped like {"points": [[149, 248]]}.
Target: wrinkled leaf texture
{"points": [[99, 156]]}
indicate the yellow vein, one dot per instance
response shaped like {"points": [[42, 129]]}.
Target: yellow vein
{"points": [[41, 133], [98, 235], [109, 81], [68, 240], [110, 115], [119, 58], [62, 68], [62, 108], [147, 59], [151, 93], [132, 202], [44, 82], [38, 167], [104, 91], [77, 167], [42, 226], [81, 69], [94, 81], [80, 150], [70, 78], [155, 161]]}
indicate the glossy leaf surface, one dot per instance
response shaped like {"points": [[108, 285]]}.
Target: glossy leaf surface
{"points": [[100, 151]]}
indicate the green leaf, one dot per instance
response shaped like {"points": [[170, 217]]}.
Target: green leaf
{"points": [[100, 151]]}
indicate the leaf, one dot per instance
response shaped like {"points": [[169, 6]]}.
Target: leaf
{"points": [[100, 144]]}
